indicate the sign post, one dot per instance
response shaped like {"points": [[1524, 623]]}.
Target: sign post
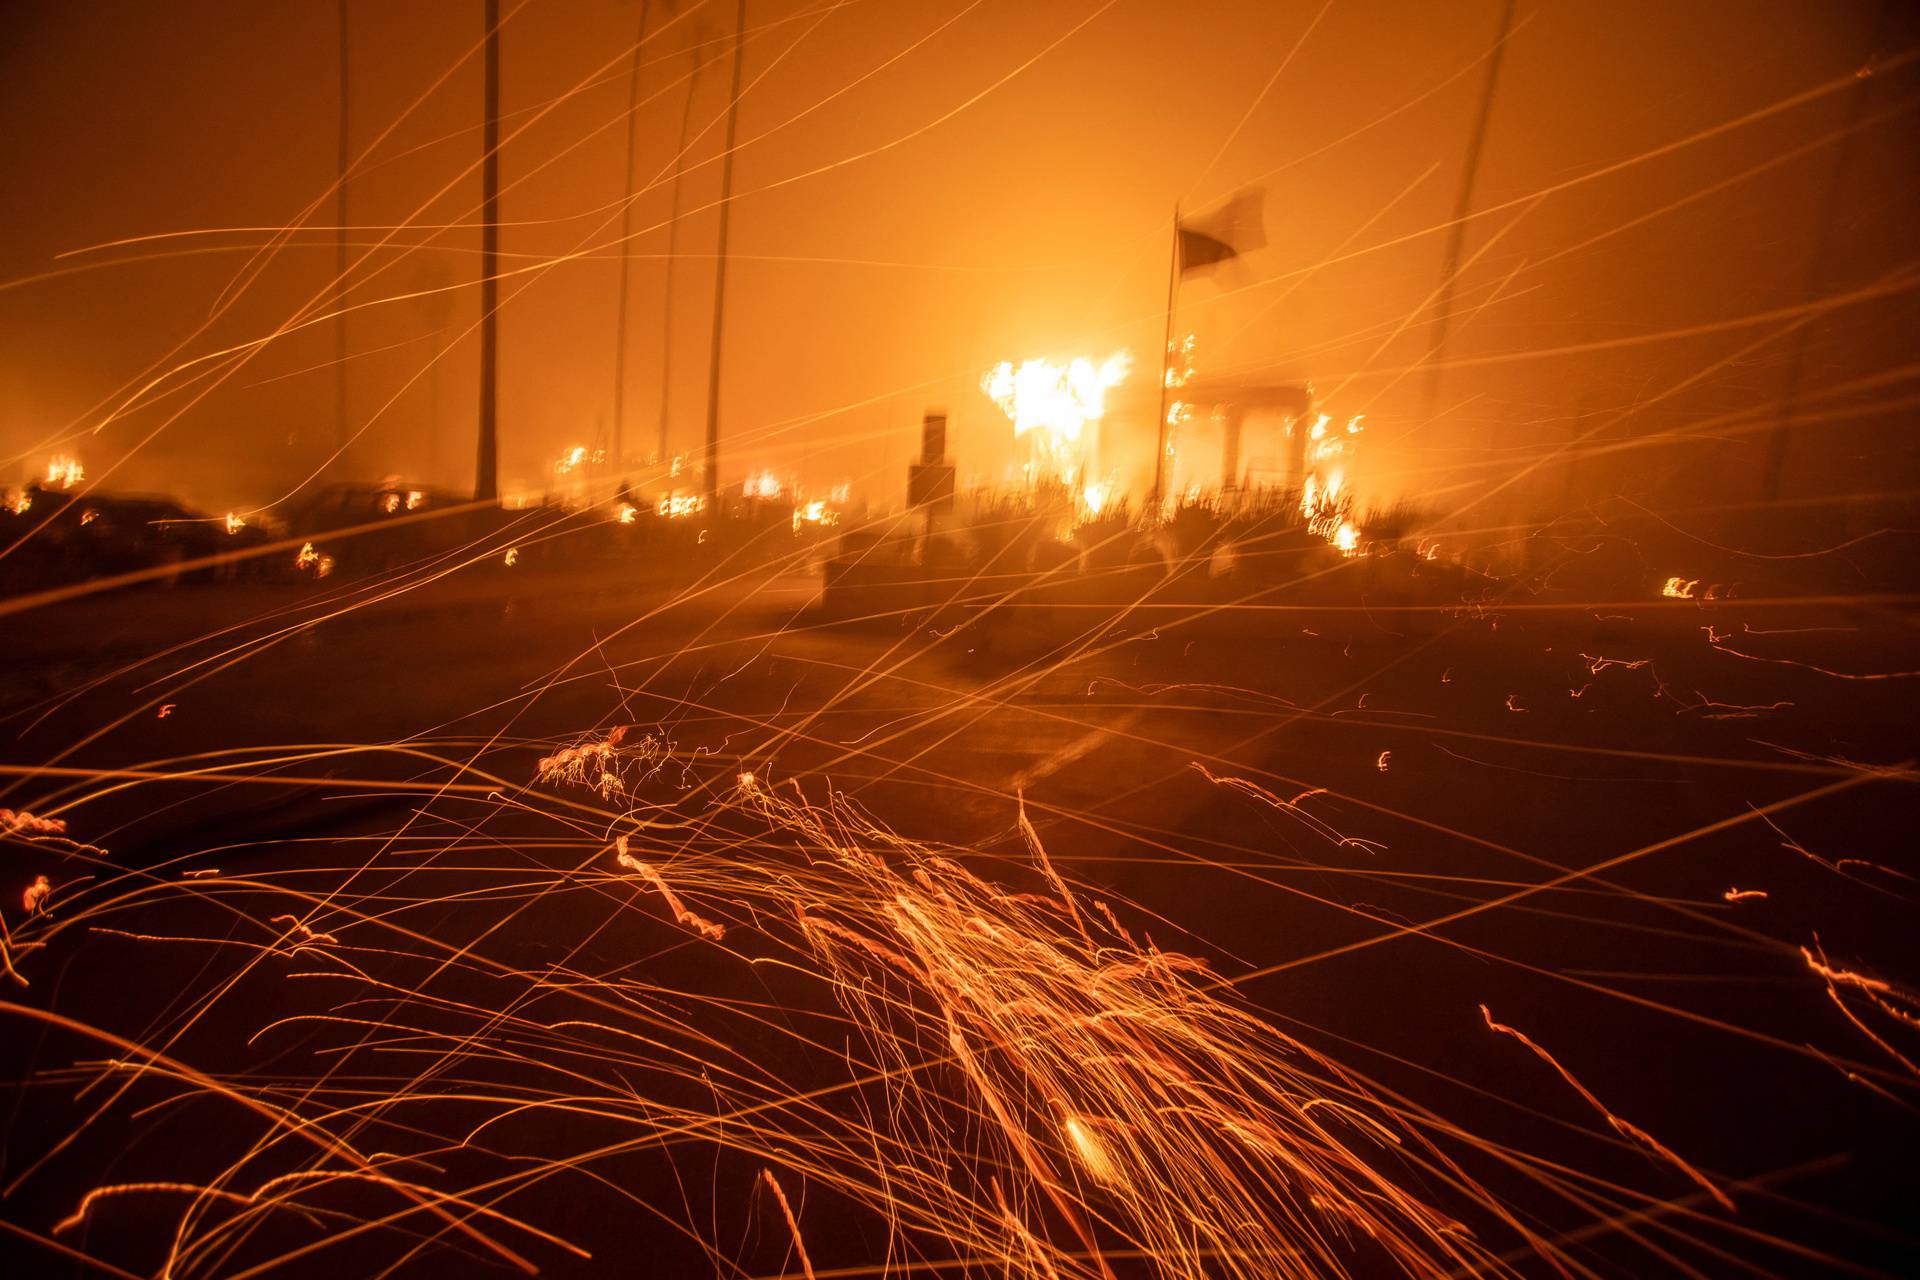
{"points": [[930, 480]]}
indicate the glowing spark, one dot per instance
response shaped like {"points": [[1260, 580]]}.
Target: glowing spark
{"points": [[36, 894], [1743, 895], [1258, 792], [1843, 977], [1596, 665], [589, 764], [1715, 642], [166, 709], [793, 1225], [20, 822], [1091, 1153], [1902, 1006], [1385, 761], [700, 925], [307, 936], [1631, 1132]]}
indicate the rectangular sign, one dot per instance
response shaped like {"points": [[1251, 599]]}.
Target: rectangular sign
{"points": [[930, 484]]}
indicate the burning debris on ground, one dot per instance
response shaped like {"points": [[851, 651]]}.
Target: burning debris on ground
{"points": [[1060, 640]]}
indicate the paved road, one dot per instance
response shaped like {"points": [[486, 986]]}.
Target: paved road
{"points": [[1425, 775]]}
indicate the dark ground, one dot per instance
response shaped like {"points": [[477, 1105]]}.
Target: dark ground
{"points": [[1694, 1017]]}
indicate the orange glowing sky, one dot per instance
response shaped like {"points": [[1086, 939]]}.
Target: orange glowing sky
{"points": [[1001, 190]]}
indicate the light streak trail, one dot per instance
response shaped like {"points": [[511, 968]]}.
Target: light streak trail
{"points": [[953, 1041], [1624, 1128]]}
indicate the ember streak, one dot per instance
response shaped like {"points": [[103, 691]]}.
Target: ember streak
{"points": [[1070, 640]]}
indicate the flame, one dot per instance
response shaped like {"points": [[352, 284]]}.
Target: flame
{"points": [[19, 501], [1095, 496], [762, 484], [1680, 588], [677, 506], [1053, 404], [571, 460], [1180, 362], [1041, 395], [1179, 372], [1325, 499], [64, 472], [625, 513], [815, 511], [414, 498], [235, 523], [308, 559], [512, 557]]}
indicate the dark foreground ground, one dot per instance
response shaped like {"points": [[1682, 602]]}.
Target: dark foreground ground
{"points": [[1578, 786]]}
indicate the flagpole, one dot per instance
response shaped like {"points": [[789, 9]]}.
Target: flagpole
{"points": [[1166, 354], [617, 446], [342, 430], [486, 477], [720, 269]]}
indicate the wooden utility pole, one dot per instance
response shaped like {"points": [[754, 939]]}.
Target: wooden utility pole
{"points": [[1166, 356], [617, 448], [1820, 266], [1457, 235], [486, 477], [673, 259], [342, 427], [720, 267]]}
